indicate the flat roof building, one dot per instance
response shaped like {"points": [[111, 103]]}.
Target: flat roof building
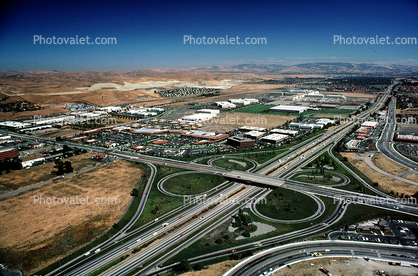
{"points": [[274, 138], [240, 142], [285, 131], [254, 134], [289, 108]]}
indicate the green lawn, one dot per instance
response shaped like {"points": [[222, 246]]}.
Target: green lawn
{"points": [[287, 204], [158, 203], [190, 184], [226, 163], [200, 248], [316, 178]]}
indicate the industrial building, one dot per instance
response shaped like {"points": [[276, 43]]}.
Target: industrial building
{"points": [[251, 128], [209, 111], [254, 134], [8, 154], [243, 102], [14, 125], [285, 131], [406, 138], [289, 109], [240, 142], [274, 138], [226, 105], [325, 121], [353, 145], [370, 124], [306, 126], [198, 117]]}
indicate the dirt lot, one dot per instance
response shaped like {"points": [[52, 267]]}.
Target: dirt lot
{"points": [[386, 183], [344, 266], [213, 270], [25, 177], [231, 121], [34, 233], [392, 167]]}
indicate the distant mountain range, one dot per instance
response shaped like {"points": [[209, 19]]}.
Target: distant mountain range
{"points": [[317, 68], [322, 68]]}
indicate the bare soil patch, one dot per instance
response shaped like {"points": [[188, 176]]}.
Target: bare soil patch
{"points": [[34, 234], [386, 183], [213, 270], [234, 120], [392, 167], [344, 266]]}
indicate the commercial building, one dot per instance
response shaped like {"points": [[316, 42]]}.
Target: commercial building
{"points": [[14, 125], [254, 134], [370, 124], [8, 154], [289, 109], [274, 138], [353, 145], [240, 142], [306, 126], [406, 138], [285, 131], [324, 121], [225, 105], [251, 128], [198, 117], [208, 111]]}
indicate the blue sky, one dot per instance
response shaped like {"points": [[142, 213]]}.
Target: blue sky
{"points": [[150, 33]]}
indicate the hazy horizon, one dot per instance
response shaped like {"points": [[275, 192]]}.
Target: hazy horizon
{"points": [[160, 34]]}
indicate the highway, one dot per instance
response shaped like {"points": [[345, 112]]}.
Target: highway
{"points": [[176, 232], [283, 255], [385, 143]]}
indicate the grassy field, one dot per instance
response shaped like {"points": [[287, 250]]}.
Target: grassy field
{"points": [[158, 203], [226, 163], [287, 204], [194, 183], [257, 109], [26, 177]]}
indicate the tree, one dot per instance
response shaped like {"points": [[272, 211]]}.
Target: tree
{"points": [[59, 165], [183, 266], [134, 192], [198, 267], [68, 167]]}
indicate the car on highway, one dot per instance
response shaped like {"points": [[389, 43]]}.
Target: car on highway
{"points": [[181, 235], [180, 217], [233, 250]]}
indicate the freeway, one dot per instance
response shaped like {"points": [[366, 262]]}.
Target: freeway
{"points": [[171, 240], [385, 144], [283, 255]]}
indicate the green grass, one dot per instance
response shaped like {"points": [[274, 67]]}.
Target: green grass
{"points": [[193, 183], [317, 178], [287, 204], [225, 163], [256, 109], [357, 213], [158, 203], [200, 248]]}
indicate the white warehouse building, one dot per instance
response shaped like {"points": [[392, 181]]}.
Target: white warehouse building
{"points": [[289, 108]]}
